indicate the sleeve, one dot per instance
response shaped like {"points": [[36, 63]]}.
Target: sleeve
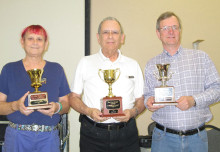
{"points": [[139, 85], [77, 84], [64, 86], [148, 83], [4, 81], [212, 86]]}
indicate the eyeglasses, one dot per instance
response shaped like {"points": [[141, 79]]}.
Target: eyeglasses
{"points": [[107, 32], [168, 28]]}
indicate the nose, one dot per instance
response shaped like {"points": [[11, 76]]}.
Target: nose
{"points": [[170, 30], [34, 41], [110, 34]]}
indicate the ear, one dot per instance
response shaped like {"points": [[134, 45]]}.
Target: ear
{"points": [[158, 34], [98, 37], [22, 42], [122, 39], [46, 45]]}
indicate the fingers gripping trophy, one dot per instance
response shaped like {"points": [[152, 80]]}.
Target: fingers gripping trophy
{"points": [[164, 95], [37, 99], [110, 105]]}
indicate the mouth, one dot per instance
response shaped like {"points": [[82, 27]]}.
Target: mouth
{"points": [[35, 47], [171, 37], [110, 42]]}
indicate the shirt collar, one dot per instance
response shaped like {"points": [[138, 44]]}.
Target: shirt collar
{"points": [[105, 58], [178, 52]]}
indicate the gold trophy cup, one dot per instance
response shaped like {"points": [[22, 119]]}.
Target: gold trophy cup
{"points": [[111, 105], [164, 95], [37, 99]]}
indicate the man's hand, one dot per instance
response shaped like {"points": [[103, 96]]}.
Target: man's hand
{"points": [[185, 102], [150, 105], [95, 114], [128, 115]]}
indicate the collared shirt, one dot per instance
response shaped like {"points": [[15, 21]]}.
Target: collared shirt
{"points": [[193, 74], [88, 82]]}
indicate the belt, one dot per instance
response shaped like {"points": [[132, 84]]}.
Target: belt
{"points": [[33, 127], [107, 126], [181, 133]]}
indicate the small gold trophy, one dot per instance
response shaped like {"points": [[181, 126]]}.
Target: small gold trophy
{"points": [[164, 95], [37, 99], [111, 105]]}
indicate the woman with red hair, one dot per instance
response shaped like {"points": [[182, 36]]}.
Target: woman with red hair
{"points": [[32, 129]]}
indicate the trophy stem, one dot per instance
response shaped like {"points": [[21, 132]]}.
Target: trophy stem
{"points": [[36, 89], [110, 94], [163, 83]]}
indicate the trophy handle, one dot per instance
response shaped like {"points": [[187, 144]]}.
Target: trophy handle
{"points": [[117, 70], [156, 75], [100, 70], [170, 75]]}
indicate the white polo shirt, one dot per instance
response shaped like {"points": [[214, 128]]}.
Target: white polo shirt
{"points": [[87, 81]]}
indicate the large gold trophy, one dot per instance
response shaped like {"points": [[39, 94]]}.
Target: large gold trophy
{"points": [[37, 99], [111, 105], [164, 95]]}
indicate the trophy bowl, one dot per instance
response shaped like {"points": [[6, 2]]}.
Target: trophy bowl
{"points": [[109, 78], [163, 73], [35, 76]]}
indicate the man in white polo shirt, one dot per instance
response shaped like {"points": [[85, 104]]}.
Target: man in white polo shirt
{"points": [[107, 134]]}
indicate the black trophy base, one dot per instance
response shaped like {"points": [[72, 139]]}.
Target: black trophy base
{"points": [[112, 107]]}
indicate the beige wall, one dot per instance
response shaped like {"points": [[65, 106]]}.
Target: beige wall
{"points": [[200, 20]]}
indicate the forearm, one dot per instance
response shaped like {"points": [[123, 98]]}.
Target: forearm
{"points": [[211, 93], [77, 104], [138, 107], [207, 98], [65, 105], [7, 108]]}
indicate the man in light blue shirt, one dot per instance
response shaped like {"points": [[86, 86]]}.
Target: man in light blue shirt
{"points": [[197, 85]]}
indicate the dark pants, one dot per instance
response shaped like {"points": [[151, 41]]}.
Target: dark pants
{"points": [[96, 139]]}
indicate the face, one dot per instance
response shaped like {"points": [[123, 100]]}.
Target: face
{"points": [[170, 35], [34, 44], [110, 37]]}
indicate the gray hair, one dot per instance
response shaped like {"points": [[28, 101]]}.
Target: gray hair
{"points": [[165, 16], [109, 19]]}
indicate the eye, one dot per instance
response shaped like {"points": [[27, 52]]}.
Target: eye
{"points": [[30, 38], [105, 32], [39, 39], [175, 27], [115, 32], [165, 28]]}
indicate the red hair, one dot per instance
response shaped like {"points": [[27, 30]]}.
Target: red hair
{"points": [[36, 29]]}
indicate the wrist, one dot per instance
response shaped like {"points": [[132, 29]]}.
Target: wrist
{"points": [[59, 108], [135, 112], [194, 103], [14, 106]]}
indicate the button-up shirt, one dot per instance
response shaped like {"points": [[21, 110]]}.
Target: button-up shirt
{"points": [[193, 74]]}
